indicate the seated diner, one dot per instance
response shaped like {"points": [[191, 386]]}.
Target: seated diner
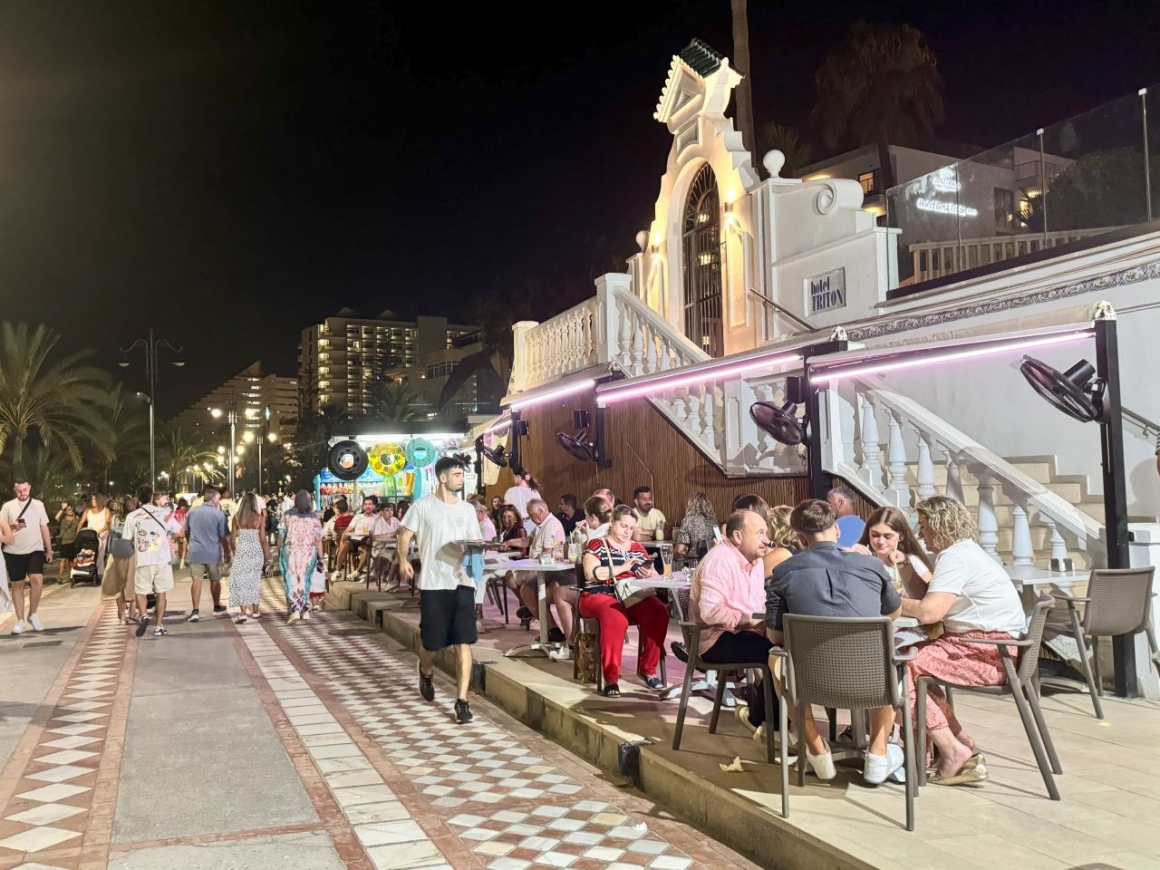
{"points": [[972, 596], [616, 556]]}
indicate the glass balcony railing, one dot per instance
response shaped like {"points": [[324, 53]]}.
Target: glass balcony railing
{"points": [[1081, 177]]}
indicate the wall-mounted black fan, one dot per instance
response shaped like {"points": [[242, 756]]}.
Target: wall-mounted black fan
{"points": [[1077, 392], [347, 460], [495, 455], [780, 422], [578, 445]]}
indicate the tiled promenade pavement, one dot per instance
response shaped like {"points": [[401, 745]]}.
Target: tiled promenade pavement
{"points": [[275, 746], [505, 798]]}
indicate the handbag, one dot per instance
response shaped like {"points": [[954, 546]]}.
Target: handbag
{"points": [[628, 592], [120, 548]]}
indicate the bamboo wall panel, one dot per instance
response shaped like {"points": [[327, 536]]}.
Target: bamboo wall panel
{"points": [[646, 449]]}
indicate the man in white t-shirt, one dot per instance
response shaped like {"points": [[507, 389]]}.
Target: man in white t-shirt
{"points": [[149, 528], [549, 532], [442, 521], [358, 535], [24, 558]]}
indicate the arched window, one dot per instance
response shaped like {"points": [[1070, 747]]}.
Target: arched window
{"points": [[702, 253]]}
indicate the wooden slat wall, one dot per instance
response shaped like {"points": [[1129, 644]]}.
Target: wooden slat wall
{"points": [[646, 450]]}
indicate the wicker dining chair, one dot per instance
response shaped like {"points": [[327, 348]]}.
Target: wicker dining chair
{"points": [[1119, 601], [845, 663], [1020, 685]]}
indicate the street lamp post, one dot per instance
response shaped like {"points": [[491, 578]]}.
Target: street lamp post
{"points": [[153, 348], [232, 415]]}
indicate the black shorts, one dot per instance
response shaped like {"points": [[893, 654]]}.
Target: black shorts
{"points": [[67, 551], [20, 566], [446, 617]]}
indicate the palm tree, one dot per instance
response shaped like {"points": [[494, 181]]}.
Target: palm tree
{"points": [[772, 135], [743, 93], [880, 86], [395, 403], [53, 478], [60, 404], [129, 428], [181, 457]]}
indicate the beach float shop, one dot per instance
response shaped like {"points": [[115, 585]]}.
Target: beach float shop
{"points": [[390, 462]]}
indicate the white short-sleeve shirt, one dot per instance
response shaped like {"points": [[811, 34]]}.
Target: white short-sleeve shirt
{"points": [[149, 528], [987, 600], [440, 527], [28, 539]]}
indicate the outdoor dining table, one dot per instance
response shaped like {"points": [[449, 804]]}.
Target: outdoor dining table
{"points": [[1028, 579], [541, 570]]}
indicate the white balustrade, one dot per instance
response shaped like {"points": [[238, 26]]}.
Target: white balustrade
{"points": [[898, 493], [1028, 501], [871, 470], [987, 521], [924, 475], [1022, 550]]}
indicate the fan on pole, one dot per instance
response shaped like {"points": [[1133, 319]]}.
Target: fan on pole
{"points": [[496, 455], [779, 421]]}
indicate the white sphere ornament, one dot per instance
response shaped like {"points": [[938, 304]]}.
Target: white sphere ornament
{"points": [[773, 161], [642, 240]]}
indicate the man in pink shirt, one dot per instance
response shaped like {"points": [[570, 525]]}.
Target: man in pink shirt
{"points": [[727, 589]]}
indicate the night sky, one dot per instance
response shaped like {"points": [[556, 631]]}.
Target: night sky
{"points": [[229, 172]]}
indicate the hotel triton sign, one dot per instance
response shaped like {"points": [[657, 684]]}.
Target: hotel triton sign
{"points": [[826, 292]]}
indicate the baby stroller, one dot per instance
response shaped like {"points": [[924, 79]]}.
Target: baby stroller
{"points": [[84, 563]]}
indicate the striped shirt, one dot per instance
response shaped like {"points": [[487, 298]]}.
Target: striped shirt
{"points": [[624, 563]]}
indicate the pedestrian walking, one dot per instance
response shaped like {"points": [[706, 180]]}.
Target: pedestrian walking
{"points": [[208, 534], [301, 535], [122, 562], [68, 524], [442, 521], [98, 517], [149, 528], [26, 555], [251, 554]]}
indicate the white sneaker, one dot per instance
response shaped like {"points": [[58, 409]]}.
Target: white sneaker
{"points": [[295, 616], [20, 627], [34, 621], [822, 765], [741, 711], [879, 768], [480, 628], [305, 614], [563, 654]]}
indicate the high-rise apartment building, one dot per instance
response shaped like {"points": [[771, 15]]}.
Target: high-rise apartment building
{"points": [[249, 393], [340, 358]]}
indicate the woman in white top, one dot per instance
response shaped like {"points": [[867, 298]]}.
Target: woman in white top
{"points": [[524, 490], [973, 597], [888, 536], [98, 517]]}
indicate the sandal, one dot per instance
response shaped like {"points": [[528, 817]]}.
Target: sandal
{"points": [[969, 773], [611, 690], [654, 682]]}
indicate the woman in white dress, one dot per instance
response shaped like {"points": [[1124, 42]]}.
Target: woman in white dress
{"points": [[251, 551], [5, 596]]}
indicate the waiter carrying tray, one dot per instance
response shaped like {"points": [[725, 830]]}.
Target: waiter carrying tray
{"points": [[443, 523]]}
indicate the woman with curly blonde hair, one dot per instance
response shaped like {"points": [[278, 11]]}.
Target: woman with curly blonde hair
{"points": [[973, 598], [783, 540]]}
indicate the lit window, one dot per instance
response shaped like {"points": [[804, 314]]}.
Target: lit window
{"points": [[869, 182]]}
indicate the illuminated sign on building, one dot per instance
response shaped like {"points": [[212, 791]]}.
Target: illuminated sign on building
{"points": [[937, 205]]}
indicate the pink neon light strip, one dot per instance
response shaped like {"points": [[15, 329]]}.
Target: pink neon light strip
{"points": [[497, 427], [956, 356], [705, 376], [554, 394]]}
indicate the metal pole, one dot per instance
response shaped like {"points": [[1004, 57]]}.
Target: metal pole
{"points": [[1042, 184], [818, 482], [1115, 488], [151, 373], [230, 451], [1147, 159]]}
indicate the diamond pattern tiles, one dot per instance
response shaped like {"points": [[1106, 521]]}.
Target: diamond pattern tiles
{"points": [[515, 809], [52, 800]]}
